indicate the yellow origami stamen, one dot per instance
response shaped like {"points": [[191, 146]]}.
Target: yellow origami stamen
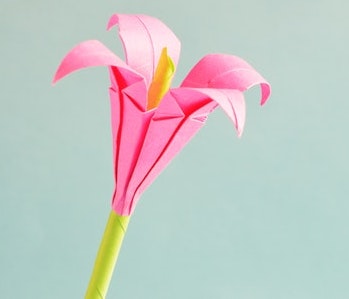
{"points": [[162, 80]]}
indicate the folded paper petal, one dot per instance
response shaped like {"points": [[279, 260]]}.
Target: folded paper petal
{"points": [[143, 38], [93, 53], [225, 72]]}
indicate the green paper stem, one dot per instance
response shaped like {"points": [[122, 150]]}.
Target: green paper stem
{"points": [[107, 256]]}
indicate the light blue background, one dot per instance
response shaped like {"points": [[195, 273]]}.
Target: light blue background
{"points": [[262, 217]]}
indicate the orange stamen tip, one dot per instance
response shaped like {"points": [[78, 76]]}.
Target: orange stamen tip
{"points": [[162, 80]]}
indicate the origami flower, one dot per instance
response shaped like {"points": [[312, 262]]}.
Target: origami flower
{"points": [[152, 122]]}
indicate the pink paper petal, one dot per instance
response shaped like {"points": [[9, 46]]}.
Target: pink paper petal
{"points": [[226, 72], [91, 53], [143, 38]]}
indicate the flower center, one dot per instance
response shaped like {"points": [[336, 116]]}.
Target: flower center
{"points": [[162, 80]]}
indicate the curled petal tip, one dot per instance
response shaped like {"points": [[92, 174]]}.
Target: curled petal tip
{"points": [[266, 92], [60, 73], [114, 19], [227, 72], [86, 54], [239, 127], [239, 130], [54, 80]]}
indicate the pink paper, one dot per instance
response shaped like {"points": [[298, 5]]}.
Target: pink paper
{"points": [[144, 142]]}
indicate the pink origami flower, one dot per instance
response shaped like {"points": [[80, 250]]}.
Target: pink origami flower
{"points": [[151, 123]]}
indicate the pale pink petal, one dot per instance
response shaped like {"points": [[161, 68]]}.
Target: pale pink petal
{"points": [[143, 38], [226, 72]]}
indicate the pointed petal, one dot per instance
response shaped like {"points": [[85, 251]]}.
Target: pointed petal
{"points": [[90, 53], [143, 38], [226, 72]]}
